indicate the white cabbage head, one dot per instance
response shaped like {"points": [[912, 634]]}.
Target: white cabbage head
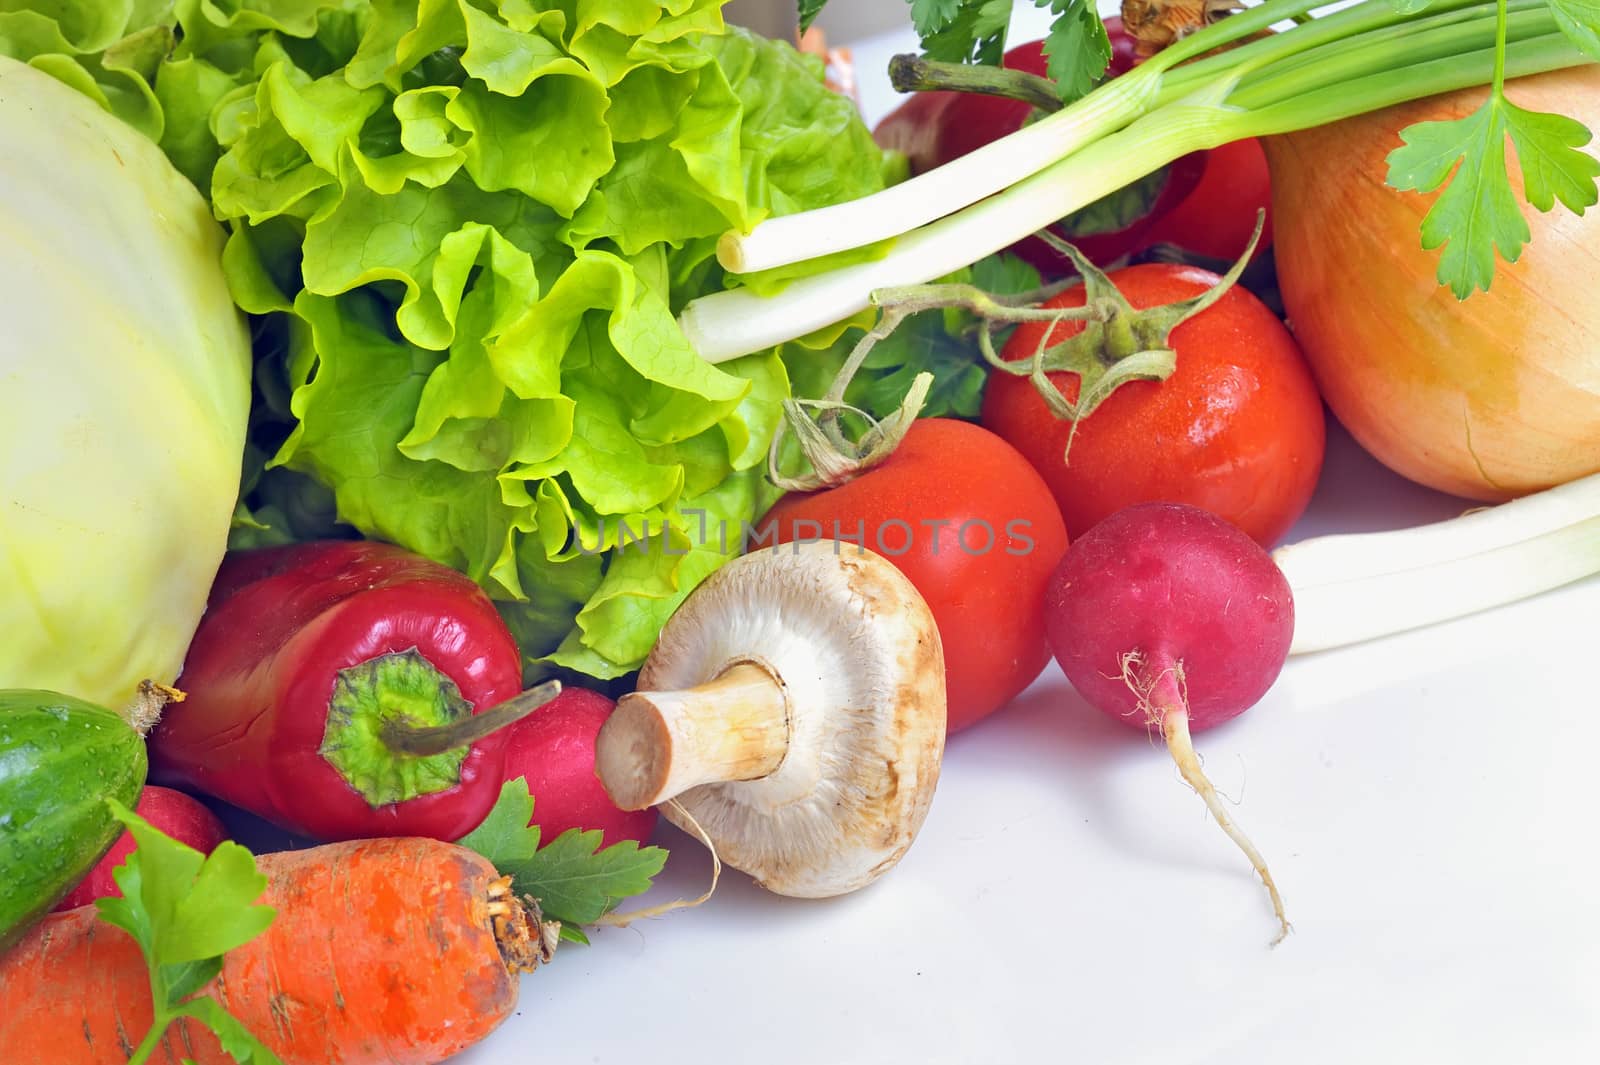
{"points": [[124, 392]]}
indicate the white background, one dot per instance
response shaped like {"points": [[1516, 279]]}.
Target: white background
{"points": [[1426, 802]]}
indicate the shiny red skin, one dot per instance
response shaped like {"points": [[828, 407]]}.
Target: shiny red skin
{"points": [[1217, 217], [183, 817], [1179, 586], [553, 749], [933, 128], [1238, 429], [280, 625], [988, 605]]}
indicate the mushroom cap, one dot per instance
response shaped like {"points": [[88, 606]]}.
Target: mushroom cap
{"points": [[857, 653]]}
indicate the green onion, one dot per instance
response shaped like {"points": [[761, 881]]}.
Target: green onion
{"points": [[1355, 587], [1358, 59]]}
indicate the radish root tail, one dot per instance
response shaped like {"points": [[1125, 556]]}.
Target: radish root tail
{"points": [[1165, 700]]}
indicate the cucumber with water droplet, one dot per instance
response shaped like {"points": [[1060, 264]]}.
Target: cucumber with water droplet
{"points": [[61, 758]]}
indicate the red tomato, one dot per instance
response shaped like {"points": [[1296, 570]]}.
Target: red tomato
{"points": [[553, 749], [1237, 429], [974, 528], [1218, 216]]}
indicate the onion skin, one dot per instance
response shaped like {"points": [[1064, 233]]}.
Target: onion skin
{"points": [[1488, 398]]}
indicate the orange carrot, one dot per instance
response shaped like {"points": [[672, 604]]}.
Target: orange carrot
{"points": [[383, 952]]}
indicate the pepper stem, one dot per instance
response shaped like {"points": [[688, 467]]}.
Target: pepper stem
{"points": [[657, 745], [399, 728], [404, 737]]}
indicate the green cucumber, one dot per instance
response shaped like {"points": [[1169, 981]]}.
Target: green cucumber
{"points": [[60, 760]]}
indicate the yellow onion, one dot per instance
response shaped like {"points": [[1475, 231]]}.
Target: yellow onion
{"points": [[1489, 398]]}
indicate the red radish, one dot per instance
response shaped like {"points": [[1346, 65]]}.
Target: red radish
{"points": [[1168, 618], [553, 749], [180, 816]]}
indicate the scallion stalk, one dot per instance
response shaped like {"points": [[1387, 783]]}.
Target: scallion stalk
{"points": [[1004, 162], [1354, 587], [1454, 48]]}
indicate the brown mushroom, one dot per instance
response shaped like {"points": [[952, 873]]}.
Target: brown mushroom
{"points": [[794, 706]]}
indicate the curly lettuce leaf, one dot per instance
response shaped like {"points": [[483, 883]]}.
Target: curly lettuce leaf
{"points": [[465, 228]]}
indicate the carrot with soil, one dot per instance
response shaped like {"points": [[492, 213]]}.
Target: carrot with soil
{"points": [[392, 951]]}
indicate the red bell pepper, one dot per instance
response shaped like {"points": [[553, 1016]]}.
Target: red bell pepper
{"points": [[936, 126], [346, 689]]}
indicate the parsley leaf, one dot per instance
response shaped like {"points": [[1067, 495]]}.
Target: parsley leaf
{"points": [[506, 835], [1076, 49], [577, 883], [1477, 214], [1552, 166], [574, 880], [235, 1038], [1003, 274], [931, 16], [924, 343], [809, 10], [186, 910], [1580, 21], [962, 31]]}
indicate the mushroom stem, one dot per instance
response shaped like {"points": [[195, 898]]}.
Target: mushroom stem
{"points": [[657, 745]]}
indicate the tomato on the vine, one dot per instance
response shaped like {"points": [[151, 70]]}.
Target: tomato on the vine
{"points": [[1237, 428], [974, 527]]}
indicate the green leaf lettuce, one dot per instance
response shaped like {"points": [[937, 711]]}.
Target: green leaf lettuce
{"points": [[465, 228]]}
